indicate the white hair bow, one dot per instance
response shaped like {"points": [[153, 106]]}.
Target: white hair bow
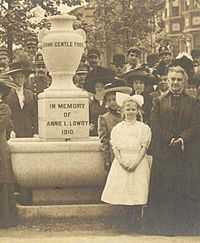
{"points": [[121, 97]]}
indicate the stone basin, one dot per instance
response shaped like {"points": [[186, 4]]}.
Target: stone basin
{"points": [[40, 164]]}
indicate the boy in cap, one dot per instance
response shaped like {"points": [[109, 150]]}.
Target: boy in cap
{"points": [[165, 57], [133, 58], [113, 116]]}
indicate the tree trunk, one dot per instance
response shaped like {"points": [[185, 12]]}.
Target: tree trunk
{"points": [[10, 35]]}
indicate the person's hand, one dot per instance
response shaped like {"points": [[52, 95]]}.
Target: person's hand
{"points": [[12, 134]]}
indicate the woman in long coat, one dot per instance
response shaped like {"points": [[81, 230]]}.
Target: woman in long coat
{"points": [[7, 199]]}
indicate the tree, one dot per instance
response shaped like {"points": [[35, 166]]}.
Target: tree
{"points": [[125, 23], [15, 26]]}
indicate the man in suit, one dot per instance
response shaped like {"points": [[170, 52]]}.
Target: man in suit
{"points": [[39, 80], [174, 190], [22, 102]]}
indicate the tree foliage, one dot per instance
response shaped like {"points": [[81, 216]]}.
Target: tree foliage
{"points": [[125, 22]]}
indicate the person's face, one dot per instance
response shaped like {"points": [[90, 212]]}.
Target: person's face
{"points": [[163, 84], [176, 81], [19, 78], [118, 69], [81, 77], [130, 110], [40, 70], [3, 61], [133, 58], [111, 101], [99, 88], [93, 60], [138, 86], [196, 61], [166, 58]]}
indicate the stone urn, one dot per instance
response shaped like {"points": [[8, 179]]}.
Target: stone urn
{"points": [[62, 48], [63, 108]]}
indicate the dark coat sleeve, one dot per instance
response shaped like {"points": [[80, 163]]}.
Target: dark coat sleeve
{"points": [[104, 137], [194, 129]]}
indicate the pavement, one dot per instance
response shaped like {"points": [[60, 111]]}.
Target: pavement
{"points": [[82, 232]]}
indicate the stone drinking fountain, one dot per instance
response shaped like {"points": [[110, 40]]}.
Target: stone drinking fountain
{"points": [[64, 165]]}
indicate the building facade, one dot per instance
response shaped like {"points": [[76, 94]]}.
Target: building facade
{"points": [[182, 23]]}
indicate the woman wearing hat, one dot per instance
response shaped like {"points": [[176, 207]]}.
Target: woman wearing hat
{"points": [[139, 79], [107, 121], [7, 200], [95, 85], [22, 101], [128, 180]]}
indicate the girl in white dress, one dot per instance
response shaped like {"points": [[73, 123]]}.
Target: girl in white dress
{"points": [[128, 179]]}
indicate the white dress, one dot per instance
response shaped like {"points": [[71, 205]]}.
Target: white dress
{"points": [[124, 187]]}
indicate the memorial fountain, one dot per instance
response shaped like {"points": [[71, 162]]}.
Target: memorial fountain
{"points": [[64, 165]]}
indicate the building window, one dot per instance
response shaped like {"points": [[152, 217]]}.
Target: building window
{"points": [[186, 5], [175, 11], [196, 3]]}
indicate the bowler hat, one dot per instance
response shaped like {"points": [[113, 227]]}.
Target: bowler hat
{"points": [[101, 75], [135, 50], [142, 74], [117, 85]]}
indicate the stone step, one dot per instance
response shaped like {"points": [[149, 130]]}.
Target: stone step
{"points": [[41, 213]]}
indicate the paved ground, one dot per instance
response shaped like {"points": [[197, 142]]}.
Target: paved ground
{"points": [[79, 232]]}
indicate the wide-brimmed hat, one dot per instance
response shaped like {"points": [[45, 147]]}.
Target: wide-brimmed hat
{"points": [[16, 67], [117, 85], [101, 75], [185, 61], [142, 74]]}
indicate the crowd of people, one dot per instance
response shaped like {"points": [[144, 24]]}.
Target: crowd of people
{"points": [[147, 119]]}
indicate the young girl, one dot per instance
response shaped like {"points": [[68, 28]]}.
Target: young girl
{"points": [[7, 200], [128, 179], [107, 121]]}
